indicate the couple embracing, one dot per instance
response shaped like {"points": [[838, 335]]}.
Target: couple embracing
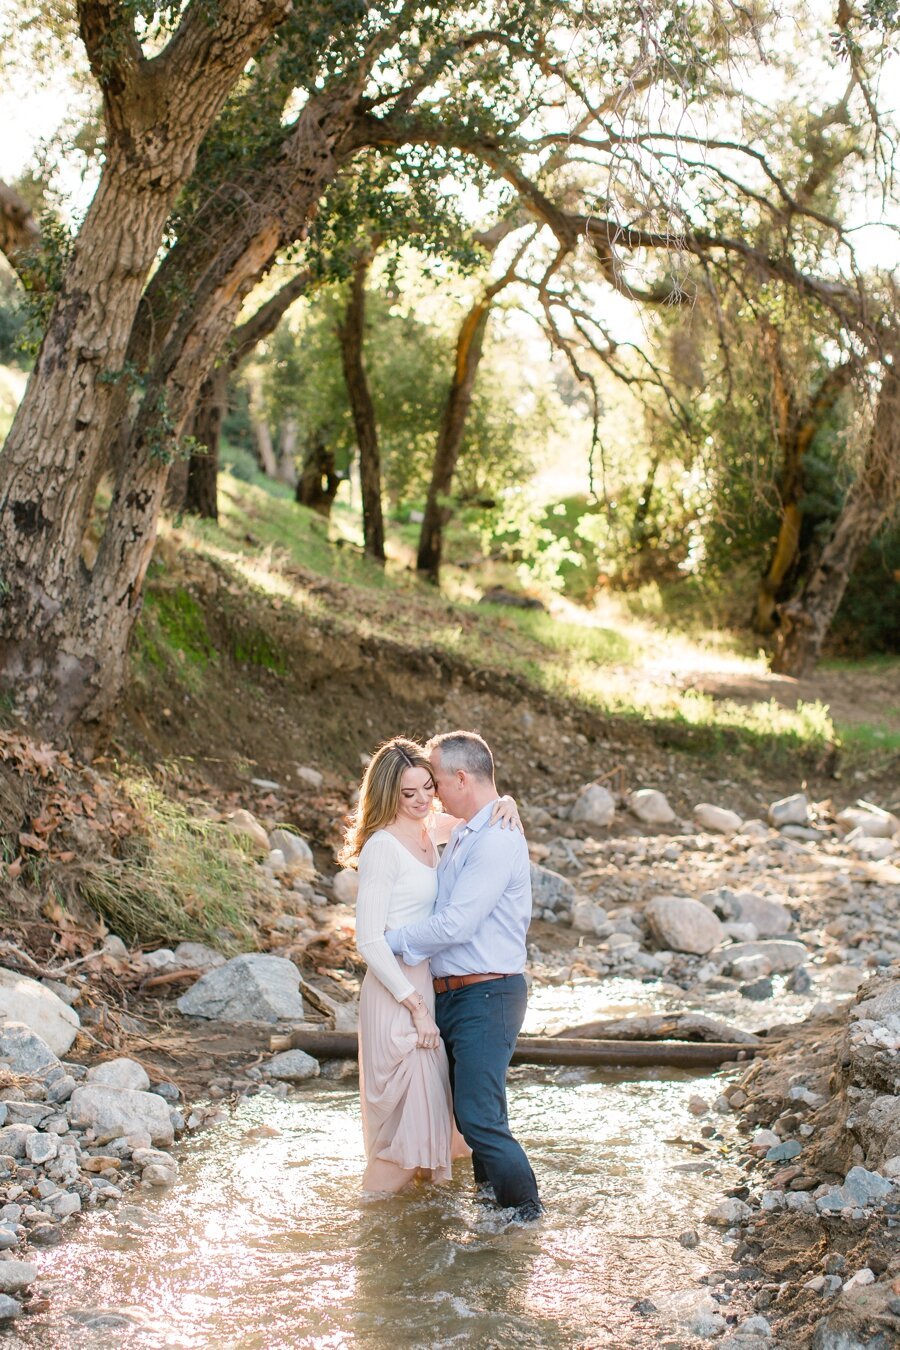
{"points": [[444, 941]]}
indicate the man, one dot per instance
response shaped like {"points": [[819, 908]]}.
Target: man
{"points": [[476, 942]]}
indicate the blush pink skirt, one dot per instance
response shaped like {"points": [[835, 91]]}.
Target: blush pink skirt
{"points": [[407, 1110]]}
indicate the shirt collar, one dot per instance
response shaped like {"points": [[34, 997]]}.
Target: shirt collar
{"points": [[481, 817]]}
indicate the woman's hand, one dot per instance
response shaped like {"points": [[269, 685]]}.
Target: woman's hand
{"points": [[427, 1033], [505, 813], [429, 1037]]}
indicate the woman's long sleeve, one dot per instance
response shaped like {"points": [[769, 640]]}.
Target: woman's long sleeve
{"points": [[379, 867]]}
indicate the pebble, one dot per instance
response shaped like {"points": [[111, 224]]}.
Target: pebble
{"points": [[9, 1308], [784, 1152], [728, 1212], [862, 1277]]}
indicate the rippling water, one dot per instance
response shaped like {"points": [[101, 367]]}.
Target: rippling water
{"points": [[264, 1242]]}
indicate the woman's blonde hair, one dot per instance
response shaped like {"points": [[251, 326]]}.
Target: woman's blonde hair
{"points": [[379, 793]]}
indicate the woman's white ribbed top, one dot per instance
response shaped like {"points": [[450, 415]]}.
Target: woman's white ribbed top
{"points": [[394, 889]]}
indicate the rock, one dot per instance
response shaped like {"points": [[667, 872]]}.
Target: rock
{"points": [[728, 1212], [754, 829], [751, 968], [9, 1308], [740, 932], [791, 1148], [68, 995], [291, 1066], [298, 856], [781, 954], [650, 807], [170, 1092], [9, 1238], [251, 988], [880, 826], [874, 849], [764, 1139], [863, 1187], [311, 777], [590, 918], [862, 1277], [65, 1204], [114, 946], [26, 1001], [13, 1140], [41, 1148], [757, 989], [891, 1168], [549, 890], [792, 810], [16, 1276], [266, 784], [697, 1105], [683, 925], [345, 886], [770, 918], [159, 1175], [716, 818], [594, 805], [161, 959], [120, 1073], [689, 1239], [246, 826], [112, 1112], [197, 956], [149, 1157], [24, 1050], [277, 861]]}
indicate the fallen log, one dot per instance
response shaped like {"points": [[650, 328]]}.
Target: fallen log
{"points": [[547, 1050], [659, 1027]]}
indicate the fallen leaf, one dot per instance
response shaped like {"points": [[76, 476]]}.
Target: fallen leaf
{"points": [[33, 842]]}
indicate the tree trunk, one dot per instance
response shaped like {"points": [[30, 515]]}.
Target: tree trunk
{"points": [[265, 451], [350, 333], [201, 496], [871, 501], [469, 348], [63, 661], [796, 432], [318, 483], [287, 469]]}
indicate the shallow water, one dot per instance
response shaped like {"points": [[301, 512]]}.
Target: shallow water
{"points": [[264, 1242]]}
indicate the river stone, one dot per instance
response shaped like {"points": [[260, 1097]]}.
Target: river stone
{"points": [[41, 1148], [650, 807], [876, 826], [781, 954], [157, 1174], [792, 810], [120, 1073], [716, 818], [112, 1112], [549, 890], [876, 850], [197, 956], [291, 1066], [345, 886], [251, 988], [728, 1212], [751, 968], [246, 826], [297, 852], [588, 917], [9, 1308], [769, 918], [25, 1000], [16, 1276], [594, 805], [13, 1139], [683, 925]]}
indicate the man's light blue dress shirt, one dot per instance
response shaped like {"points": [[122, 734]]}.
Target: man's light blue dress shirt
{"points": [[483, 904]]}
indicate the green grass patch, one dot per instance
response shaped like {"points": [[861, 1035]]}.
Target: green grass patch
{"points": [[181, 878], [863, 739], [253, 647]]}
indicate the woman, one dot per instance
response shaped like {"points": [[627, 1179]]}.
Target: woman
{"points": [[393, 838]]}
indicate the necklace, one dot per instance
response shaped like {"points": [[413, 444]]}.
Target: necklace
{"points": [[419, 841]]}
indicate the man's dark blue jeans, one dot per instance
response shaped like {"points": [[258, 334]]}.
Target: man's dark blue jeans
{"points": [[479, 1024]]}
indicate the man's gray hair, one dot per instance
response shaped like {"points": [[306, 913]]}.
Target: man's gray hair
{"points": [[464, 750]]}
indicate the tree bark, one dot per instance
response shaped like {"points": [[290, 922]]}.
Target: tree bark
{"points": [[469, 349], [287, 448], [20, 235], [63, 660], [871, 501], [796, 428], [350, 334], [264, 449], [201, 494], [319, 482]]}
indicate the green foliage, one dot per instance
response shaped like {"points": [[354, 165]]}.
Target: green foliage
{"points": [[254, 647], [868, 619], [12, 324]]}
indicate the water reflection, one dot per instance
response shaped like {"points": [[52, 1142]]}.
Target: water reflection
{"points": [[265, 1242]]}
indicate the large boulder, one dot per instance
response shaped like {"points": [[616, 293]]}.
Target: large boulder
{"points": [[120, 1073], [251, 988], [549, 890], [594, 805], [345, 886], [24, 1000], [113, 1111], [24, 1051], [683, 925], [781, 955], [651, 807]]}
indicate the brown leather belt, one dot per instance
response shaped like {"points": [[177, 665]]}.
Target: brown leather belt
{"points": [[444, 983]]}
